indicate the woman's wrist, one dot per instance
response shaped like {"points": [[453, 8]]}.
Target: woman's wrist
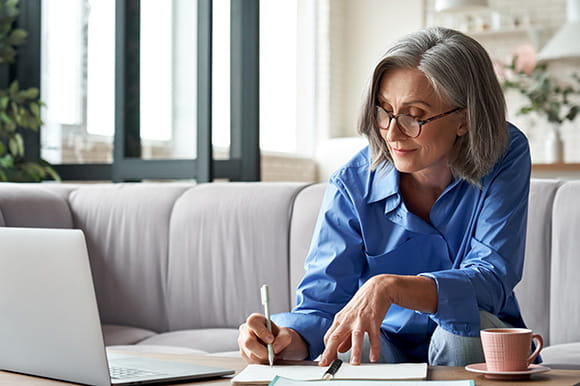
{"points": [[413, 292], [298, 348]]}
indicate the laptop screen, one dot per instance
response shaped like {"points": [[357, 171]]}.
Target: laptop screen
{"points": [[49, 324]]}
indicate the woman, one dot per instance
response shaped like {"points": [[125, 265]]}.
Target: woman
{"points": [[420, 239]]}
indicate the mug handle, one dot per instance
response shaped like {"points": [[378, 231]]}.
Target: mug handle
{"points": [[539, 346]]}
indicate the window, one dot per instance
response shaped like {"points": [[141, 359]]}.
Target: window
{"points": [[121, 80], [79, 80]]}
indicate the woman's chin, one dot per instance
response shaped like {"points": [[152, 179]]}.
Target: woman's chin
{"points": [[404, 167]]}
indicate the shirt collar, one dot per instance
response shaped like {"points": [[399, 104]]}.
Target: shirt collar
{"points": [[384, 184]]}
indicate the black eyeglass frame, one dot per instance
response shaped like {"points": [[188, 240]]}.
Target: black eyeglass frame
{"points": [[420, 122]]}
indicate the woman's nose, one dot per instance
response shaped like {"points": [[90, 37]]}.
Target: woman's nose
{"points": [[392, 132]]}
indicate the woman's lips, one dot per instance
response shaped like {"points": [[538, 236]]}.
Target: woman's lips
{"points": [[402, 151]]}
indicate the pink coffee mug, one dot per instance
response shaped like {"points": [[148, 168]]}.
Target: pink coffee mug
{"points": [[508, 349]]}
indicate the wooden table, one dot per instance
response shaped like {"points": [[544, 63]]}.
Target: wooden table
{"points": [[440, 373]]}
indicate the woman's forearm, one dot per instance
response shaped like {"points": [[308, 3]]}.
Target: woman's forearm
{"points": [[412, 292]]}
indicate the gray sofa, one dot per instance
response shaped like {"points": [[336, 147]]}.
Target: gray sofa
{"points": [[177, 267]]}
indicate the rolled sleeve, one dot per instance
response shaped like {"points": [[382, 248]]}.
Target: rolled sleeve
{"points": [[457, 311], [310, 327]]}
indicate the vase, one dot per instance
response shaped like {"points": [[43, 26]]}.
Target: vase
{"points": [[554, 145]]}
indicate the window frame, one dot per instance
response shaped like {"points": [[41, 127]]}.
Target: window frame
{"points": [[244, 161]]}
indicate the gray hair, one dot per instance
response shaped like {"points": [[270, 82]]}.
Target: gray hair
{"points": [[461, 73]]}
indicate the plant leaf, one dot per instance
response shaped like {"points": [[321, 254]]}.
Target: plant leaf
{"points": [[13, 88], [17, 37], [7, 161], [34, 170], [49, 170], [30, 93], [572, 113]]}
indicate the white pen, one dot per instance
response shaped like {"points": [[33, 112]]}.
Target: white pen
{"points": [[266, 302]]}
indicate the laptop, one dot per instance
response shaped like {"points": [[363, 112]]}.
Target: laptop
{"points": [[49, 321]]}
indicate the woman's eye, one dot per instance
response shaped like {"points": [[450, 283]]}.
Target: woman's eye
{"points": [[417, 114]]}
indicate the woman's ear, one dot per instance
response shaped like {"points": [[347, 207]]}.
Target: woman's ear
{"points": [[462, 128]]}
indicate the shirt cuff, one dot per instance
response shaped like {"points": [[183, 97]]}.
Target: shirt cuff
{"points": [[310, 327], [457, 310]]}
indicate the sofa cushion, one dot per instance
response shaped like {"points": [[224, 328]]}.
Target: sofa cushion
{"points": [[126, 227], [562, 354], [306, 209], [121, 335], [533, 292], [232, 237], [209, 340], [565, 282], [33, 205]]}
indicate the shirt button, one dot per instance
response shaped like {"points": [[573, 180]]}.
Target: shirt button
{"points": [[467, 328]]}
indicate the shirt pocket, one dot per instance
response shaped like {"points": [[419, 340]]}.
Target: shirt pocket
{"points": [[419, 254]]}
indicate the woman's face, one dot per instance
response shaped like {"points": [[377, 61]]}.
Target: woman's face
{"points": [[407, 91]]}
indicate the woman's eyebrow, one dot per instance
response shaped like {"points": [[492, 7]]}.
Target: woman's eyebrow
{"points": [[412, 102], [417, 101]]}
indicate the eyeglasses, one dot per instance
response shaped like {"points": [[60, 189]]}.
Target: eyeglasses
{"points": [[409, 126]]}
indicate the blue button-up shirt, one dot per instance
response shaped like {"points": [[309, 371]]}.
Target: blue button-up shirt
{"points": [[473, 247]]}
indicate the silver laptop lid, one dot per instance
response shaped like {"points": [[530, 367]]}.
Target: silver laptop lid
{"points": [[49, 323]]}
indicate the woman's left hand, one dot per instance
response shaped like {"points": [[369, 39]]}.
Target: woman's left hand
{"points": [[363, 313]]}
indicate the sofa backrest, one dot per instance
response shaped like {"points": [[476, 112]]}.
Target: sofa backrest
{"points": [[565, 275], [34, 205], [304, 216], [227, 239], [533, 292], [127, 231], [171, 256]]}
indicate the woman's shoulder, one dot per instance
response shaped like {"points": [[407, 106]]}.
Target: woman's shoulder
{"points": [[516, 136], [518, 145], [356, 168], [515, 159], [359, 180]]}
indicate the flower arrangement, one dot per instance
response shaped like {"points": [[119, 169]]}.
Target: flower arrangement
{"points": [[544, 94]]}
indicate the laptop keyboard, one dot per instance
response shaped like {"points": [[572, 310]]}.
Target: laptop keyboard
{"points": [[127, 372]]}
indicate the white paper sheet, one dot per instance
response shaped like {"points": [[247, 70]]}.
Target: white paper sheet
{"points": [[279, 381], [380, 371]]}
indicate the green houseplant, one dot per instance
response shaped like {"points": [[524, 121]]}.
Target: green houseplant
{"points": [[19, 109], [544, 95], [550, 98]]}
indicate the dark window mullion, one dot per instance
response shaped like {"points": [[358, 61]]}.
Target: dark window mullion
{"points": [[205, 162], [127, 139], [245, 81], [27, 66]]}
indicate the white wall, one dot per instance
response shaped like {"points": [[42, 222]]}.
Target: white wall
{"points": [[366, 28]]}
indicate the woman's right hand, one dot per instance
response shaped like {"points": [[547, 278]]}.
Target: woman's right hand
{"points": [[254, 336]]}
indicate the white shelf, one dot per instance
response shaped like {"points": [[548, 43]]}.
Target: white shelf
{"points": [[531, 31]]}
